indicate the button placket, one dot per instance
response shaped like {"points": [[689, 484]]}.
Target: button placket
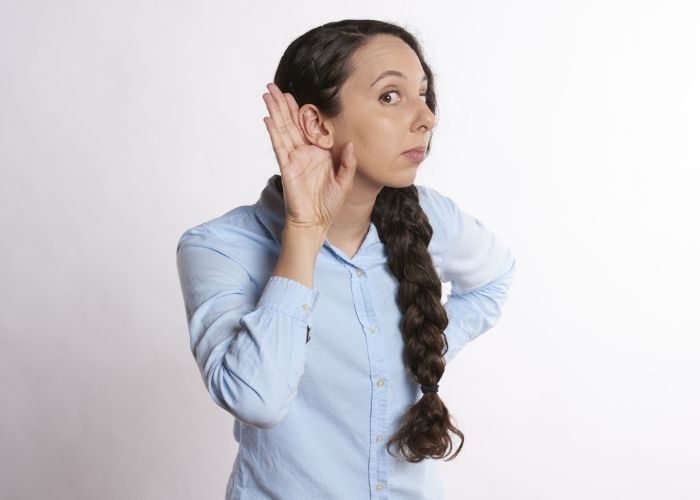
{"points": [[364, 304]]}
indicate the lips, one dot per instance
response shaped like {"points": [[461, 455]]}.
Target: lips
{"points": [[415, 154]]}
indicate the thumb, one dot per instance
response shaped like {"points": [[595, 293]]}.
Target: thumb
{"points": [[348, 162]]}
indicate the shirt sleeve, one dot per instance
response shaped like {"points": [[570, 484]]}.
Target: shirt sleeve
{"points": [[480, 269], [250, 346]]}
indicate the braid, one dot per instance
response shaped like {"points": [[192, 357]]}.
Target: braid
{"points": [[404, 229]]}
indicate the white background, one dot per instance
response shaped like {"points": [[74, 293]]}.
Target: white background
{"points": [[569, 128]]}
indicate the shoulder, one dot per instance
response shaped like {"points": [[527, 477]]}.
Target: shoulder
{"points": [[431, 198], [237, 236], [236, 227], [444, 217], [441, 210]]}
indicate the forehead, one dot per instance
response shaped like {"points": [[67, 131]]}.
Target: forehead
{"points": [[381, 53]]}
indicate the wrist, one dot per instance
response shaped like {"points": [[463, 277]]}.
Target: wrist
{"points": [[298, 235]]}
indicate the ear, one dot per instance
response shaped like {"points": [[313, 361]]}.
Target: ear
{"points": [[315, 128]]}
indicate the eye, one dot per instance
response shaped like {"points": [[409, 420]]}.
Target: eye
{"points": [[386, 94], [393, 92]]}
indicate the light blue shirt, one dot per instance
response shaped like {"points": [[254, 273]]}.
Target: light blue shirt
{"points": [[315, 378]]}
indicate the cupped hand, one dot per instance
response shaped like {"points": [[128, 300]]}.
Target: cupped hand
{"points": [[314, 190]]}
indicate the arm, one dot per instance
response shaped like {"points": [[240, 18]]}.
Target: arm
{"points": [[481, 269], [250, 346]]}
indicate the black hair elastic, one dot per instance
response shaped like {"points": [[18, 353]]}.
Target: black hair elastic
{"points": [[429, 388]]}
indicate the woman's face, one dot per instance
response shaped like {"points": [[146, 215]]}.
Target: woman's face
{"points": [[384, 117]]}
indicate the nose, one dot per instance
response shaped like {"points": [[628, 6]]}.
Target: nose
{"points": [[424, 117]]}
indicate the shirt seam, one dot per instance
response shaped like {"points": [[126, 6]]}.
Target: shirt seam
{"points": [[267, 305], [250, 277]]}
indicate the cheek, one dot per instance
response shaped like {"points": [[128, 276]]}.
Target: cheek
{"points": [[376, 141]]}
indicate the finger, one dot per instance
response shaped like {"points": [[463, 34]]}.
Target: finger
{"points": [[288, 122], [278, 121], [293, 109], [281, 152], [348, 164], [283, 119]]}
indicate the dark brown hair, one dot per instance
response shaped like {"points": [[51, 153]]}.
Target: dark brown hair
{"points": [[313, 69]]}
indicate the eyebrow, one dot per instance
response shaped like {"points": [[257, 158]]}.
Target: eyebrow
{"points": [[392, 72]]}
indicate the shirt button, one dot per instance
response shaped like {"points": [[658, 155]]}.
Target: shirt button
{"points": [[372, 329], [305, 307], [360, 273], [380, 382], [379, 438], [379, 487]]}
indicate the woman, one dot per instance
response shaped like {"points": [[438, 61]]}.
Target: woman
{"points": [[315, 314]]}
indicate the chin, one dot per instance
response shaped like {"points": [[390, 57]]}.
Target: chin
{"points": [[398, 185], [401, 177]]}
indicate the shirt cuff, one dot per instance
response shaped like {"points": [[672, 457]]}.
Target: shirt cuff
{"points": [[289, 296]]}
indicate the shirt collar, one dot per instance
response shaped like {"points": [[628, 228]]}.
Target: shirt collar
{"points": [[270, 210]]}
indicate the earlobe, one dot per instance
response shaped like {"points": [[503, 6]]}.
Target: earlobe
{"points": [[325, 141]]}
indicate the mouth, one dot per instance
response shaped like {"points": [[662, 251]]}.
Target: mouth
{"points": [[415, 154]]}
